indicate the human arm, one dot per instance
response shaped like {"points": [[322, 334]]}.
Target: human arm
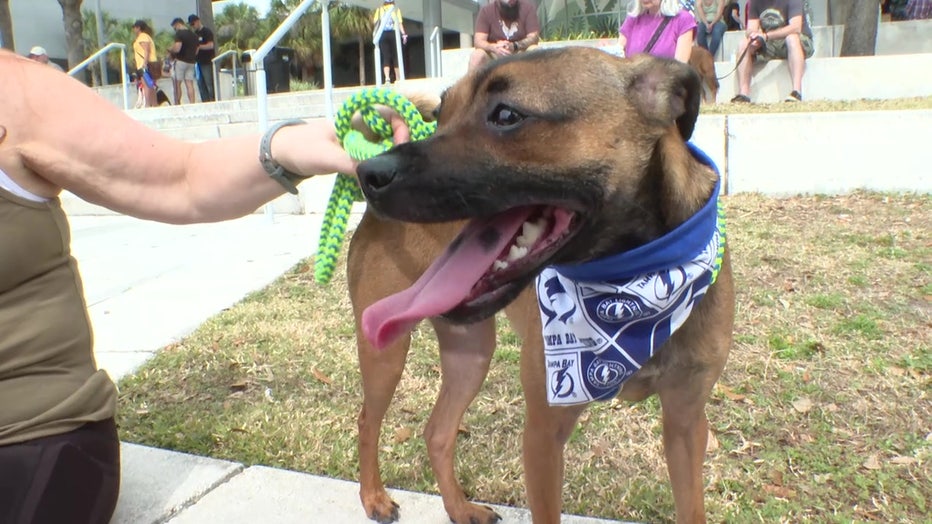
{"points": [[61, 135], [481, 41], [526, 42], [206, 40], [684, 47], [794, 27], [147, 51], [752, 31], [622, 44], [719, 12]]}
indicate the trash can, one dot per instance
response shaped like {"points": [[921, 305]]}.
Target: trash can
{"points": [[278, 69], [229, 85], [277, 66]]}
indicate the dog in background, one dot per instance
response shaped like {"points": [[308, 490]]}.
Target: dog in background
{"points": [[522, 175], [704, 63]]}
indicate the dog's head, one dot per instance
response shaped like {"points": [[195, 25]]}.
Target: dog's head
{"points": [[556, 157]]}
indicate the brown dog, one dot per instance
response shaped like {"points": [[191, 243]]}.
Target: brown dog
{"points": [[702, 61], [570, 171]]}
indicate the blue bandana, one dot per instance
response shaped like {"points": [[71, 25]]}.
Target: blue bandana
{"points": [[604, 319]]}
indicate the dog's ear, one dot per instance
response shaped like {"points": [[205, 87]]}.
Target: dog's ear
{"points": [[666, 91]]}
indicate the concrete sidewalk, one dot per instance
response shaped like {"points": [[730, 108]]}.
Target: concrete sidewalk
{"points": [[149, 285]]}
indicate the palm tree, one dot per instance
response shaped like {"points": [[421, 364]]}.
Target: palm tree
{"points": [[304, 37], [353, 22], [6, 25], [238, 27]]}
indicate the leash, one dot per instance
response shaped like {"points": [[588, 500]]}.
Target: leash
{"points": [[740, 58], [346, 188]]}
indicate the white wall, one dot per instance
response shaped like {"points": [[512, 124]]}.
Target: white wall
{"points": [[829, 153]]}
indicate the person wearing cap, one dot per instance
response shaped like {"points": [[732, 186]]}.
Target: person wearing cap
{"points": [[39, 54], [59, 446], [389, 15], [184, 51], [205, 56]]}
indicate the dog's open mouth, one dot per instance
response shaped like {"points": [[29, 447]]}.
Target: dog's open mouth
{"points": [[480, 272]]}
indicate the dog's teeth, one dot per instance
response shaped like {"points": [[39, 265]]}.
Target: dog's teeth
{"points": [[516, 252], [499, 265], [530, 232]]}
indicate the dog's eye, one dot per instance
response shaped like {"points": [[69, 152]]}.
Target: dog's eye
{"points": [[504, 116]]}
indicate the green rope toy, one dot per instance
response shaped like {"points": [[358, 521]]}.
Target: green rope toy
{"points": [[346, 189]]}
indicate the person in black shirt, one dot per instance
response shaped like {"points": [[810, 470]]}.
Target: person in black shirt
{"points": [[732, 16], [205, 55], [184, 51]]}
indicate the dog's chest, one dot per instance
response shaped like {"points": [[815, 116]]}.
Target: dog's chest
{"points": [[599, 332]]}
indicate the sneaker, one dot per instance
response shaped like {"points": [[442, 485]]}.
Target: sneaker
{"points": [[794, 96], [741, 99]]}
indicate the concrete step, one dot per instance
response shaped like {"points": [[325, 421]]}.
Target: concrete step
{"points": [[850, 78]]}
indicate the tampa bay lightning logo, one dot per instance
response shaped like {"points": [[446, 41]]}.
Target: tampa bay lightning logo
{"points": [[605, 374], [561, 382], [668, 282], [618, 308], [557, 298]]}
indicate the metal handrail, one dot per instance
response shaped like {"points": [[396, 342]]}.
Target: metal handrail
{"points": [[377, 53], [215, 62], [258, 60], [100, 52], [436, 51]]}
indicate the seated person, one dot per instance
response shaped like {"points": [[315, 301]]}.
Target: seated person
{"points": [[710, 24], [775, 29], [504, 27], [657, 27]]}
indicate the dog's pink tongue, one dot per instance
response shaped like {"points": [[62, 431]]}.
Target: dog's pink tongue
{"points": [[447, 282]]}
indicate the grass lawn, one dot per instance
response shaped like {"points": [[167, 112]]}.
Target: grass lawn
{"points": [[823, 413]]}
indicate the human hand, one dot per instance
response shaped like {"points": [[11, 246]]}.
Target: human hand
{"points": [[502, 48], [404, 39], [757, 39]]}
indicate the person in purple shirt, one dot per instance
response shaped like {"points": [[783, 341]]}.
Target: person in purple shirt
{"points": [[644, 20]]}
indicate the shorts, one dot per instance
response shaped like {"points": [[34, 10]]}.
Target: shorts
{"points": [[776, 49], [73, 477], [183, 71], [388, 49]]}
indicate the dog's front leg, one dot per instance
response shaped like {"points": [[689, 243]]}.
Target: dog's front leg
{"points": [[546, 428], [546, 431], [381, 372], [465, 354], [685, 436]]}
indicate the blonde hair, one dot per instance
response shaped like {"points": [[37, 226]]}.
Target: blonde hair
{"points": [[667, 8]]}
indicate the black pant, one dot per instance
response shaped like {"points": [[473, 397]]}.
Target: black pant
{"points": [[205, 82], [388, 49], [73, 478]]}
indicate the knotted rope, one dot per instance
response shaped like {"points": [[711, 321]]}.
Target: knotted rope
{"points": [[346, 189]]}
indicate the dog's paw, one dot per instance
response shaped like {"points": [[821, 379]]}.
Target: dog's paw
{"points": [[384, 512], [476, 514]]}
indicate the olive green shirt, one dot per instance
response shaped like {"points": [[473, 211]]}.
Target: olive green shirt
{"points": [[49, 381]]}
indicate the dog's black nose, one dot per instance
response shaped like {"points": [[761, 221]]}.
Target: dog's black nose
{"points": [[376, 172]]}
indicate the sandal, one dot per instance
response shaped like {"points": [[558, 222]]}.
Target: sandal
{"points": [[741, 99]]}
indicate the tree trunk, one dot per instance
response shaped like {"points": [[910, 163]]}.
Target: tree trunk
{"points": [[362, 60], [861, 28], [74, 25], [838, 11], [6, 25]]}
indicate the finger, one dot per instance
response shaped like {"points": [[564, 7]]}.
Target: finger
{"points": [[400, 131]]}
